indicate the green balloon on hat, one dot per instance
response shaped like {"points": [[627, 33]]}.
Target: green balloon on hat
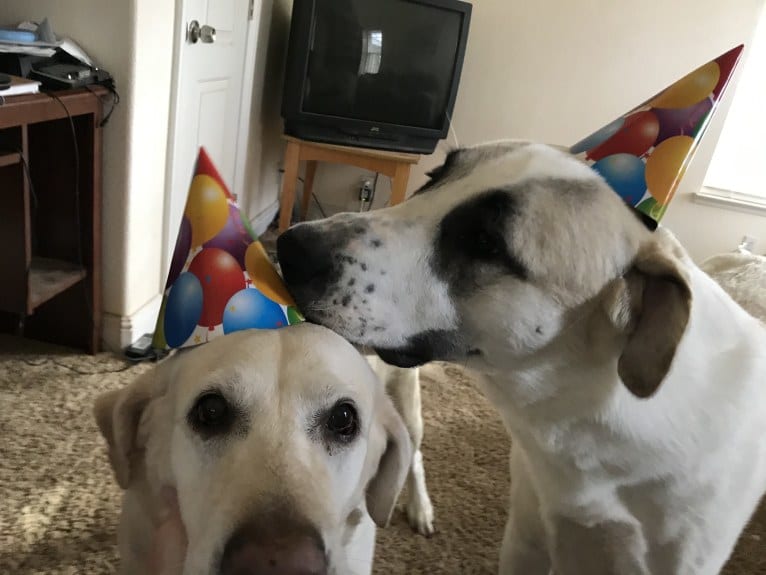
{"points": [[159, 341], [294, 316]]}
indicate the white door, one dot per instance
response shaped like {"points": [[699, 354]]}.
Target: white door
{"points": [[207, 98]]}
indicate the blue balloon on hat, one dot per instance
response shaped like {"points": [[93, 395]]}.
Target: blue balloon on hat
{"points": [[183, 309], [598, 137], [625, 174], [250, 309]]}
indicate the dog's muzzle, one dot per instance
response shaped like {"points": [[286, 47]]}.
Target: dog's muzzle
{"points": [[307, 263]]}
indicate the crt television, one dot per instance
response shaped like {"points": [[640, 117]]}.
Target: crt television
{"points": [[374, 73]]}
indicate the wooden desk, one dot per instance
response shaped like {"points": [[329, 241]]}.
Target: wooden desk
{"points": [[392, 164], [50, 231]]}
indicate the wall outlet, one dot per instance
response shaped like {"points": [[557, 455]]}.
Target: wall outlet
{"points": [[365, 190]]}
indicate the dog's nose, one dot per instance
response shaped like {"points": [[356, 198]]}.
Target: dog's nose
{"points": [[304, 257], [274, 548]]}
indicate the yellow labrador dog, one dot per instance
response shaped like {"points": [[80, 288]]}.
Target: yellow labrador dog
{"points": [[282, 445], [633, 386]]}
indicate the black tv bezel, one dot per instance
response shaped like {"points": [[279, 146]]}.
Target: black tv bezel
{"points": [[301, 37]]}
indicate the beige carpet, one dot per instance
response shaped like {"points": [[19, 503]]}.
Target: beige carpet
{"points": [[59, 504]]}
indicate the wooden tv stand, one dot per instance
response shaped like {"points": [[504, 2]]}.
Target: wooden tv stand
{"points": [[396, 165], [50, 231]]}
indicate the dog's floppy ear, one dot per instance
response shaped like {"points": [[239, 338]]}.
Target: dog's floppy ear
{"points": [[383, 489], [653, 307], [118, 414]]}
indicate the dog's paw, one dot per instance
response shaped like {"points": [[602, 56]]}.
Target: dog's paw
{"points": [[420, 515]]}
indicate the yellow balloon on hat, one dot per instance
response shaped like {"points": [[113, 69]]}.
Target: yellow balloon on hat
{"points": [[264, 276], [206, 208], [666, 166], [690, 89]]}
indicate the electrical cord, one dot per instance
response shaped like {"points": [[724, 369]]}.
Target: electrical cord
{"points": [[35, 203], [27, 172], [76, 149], [109, 85], [321, 209], [313, 195], [78, 223], [126, 366]]}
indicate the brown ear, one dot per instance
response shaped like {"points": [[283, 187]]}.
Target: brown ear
{"points": [[118, 414], [657, 312], [383, 489]]}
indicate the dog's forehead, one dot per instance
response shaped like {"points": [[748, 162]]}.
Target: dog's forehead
{"points": [[501, 165], [302, 360], [315, 357], [228, 361]]}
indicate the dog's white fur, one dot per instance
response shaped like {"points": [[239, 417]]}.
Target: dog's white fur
{"points": [[633, 386], [280, 381]]}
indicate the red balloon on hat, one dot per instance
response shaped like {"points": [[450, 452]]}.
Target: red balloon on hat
{"points": [[221, 277], [635, 137]]}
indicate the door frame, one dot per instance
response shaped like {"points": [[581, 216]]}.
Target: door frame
{"points": [[243, 129]]}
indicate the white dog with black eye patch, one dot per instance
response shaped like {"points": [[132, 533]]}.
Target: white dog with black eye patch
{"points": [[633, 386], [282, 445]]}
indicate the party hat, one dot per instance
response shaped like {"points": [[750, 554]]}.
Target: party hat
{"points": [[220, 278], [644, 154]]}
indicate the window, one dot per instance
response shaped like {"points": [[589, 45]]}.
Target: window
{"points": [[738, 168], [372, 52]]}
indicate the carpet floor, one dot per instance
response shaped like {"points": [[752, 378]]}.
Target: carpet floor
{"points": [[59, 502]]}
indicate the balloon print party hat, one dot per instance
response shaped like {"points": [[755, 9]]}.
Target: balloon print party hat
{"points": [[644, 154], [220, 278]]}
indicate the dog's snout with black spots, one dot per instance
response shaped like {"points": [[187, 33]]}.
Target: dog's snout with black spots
{"points": [[326, 276]]}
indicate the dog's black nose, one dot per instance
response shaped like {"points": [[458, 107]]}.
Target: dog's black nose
{"points": [[304, 257], [274, 546]]}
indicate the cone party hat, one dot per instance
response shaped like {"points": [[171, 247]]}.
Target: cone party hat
{"points": [[644, 154], [220, 278]]}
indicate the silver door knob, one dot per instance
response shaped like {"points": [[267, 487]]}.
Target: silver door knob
{"points": [[195, 33]]}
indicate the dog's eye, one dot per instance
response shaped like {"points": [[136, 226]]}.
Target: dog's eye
{"points": [[343, 421], [211, 413]]}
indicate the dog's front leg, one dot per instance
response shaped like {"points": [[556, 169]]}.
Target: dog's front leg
{"points": [[524, 550], [403, 385], [608, 547]]}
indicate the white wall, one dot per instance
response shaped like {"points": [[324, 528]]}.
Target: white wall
{"points": [[265, 148], [555, 71], [149, 104]]}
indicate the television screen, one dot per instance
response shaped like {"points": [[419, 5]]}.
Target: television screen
{"points": [[391, 62]]}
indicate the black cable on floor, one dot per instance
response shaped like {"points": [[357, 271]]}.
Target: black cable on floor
{"points": [[46, 361]]}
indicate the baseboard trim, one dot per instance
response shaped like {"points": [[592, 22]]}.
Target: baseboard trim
{"points": [[120, 331], [260, 223]]}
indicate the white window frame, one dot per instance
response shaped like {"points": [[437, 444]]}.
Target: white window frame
{"points": [[736, 176]]}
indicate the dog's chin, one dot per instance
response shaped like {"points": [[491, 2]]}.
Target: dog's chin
{"points": [[432, 345], [402, 357]]}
